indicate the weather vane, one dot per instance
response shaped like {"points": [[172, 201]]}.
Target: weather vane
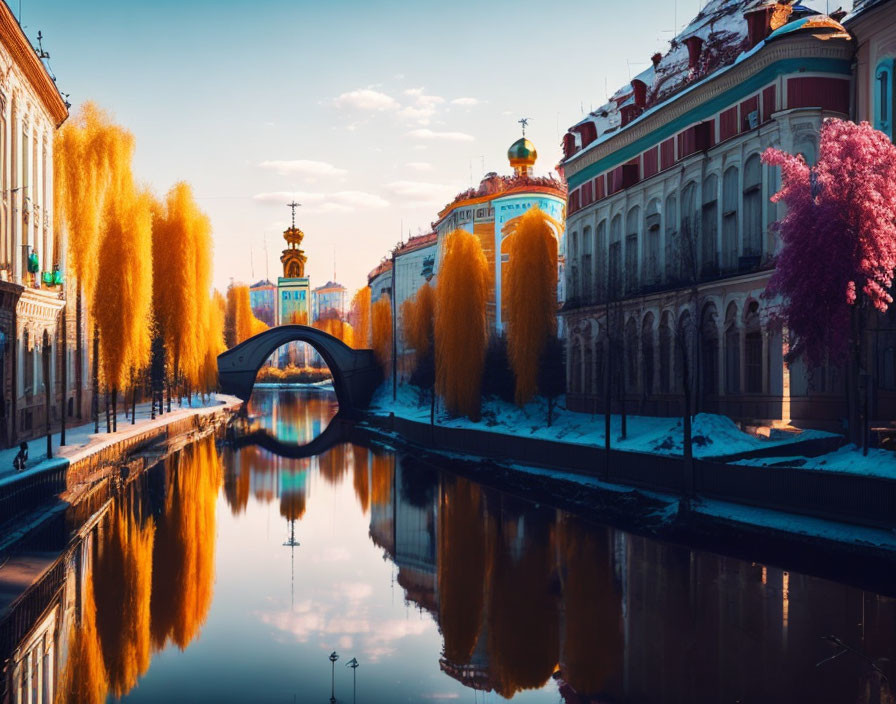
{"points": [[293, 205], [524, 123]]}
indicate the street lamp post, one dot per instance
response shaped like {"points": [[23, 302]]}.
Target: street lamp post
{"points": [[354, 664], [333, 658]]}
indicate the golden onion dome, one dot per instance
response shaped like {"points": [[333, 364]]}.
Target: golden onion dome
{"points": [[522, 153]]}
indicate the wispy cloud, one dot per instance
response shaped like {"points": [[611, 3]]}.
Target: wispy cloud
{"points": [[366, 99], [422, 108], [466, 102], [337, 201], [419, 165], [425, 133], [302, 167]]}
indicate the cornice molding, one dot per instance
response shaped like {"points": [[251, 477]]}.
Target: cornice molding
{"points": [[25, 58], [798, 48]]}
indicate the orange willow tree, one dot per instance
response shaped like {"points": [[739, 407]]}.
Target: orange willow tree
{"points": [[360, 318], [418, 322], [182, 243], [339, 329], [461, 295], [90, 155], [531, 295], [381, 330], [239, 322]]}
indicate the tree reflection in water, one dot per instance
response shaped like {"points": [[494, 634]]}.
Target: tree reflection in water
{"points": [[184, 553], [123, 576], [83, 679], [461, 567], [360, 480]]}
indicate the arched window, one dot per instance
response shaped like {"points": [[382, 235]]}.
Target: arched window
{"points": [[574, 266], [732, 351], [883, 97], [671, 237], [614, 279], [28, 367], [709, 351], [686, 251], [631, 355], [652, 253], [647, 348], [709, 228], [730, 192], [666, 353], [753, 209], [752, 350], [632, 228], [600, 278], [587, 263]]}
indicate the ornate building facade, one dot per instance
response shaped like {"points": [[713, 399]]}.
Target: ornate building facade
{"points": [[669, 247], [32, 251]]}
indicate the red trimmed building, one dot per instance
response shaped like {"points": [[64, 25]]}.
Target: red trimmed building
{"points": [[668, 244]]}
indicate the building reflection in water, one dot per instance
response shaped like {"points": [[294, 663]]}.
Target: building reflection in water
{"points": [[525, 597], [139, 577]]}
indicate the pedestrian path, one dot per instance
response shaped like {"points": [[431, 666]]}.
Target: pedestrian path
{"points": [[81, 441]]}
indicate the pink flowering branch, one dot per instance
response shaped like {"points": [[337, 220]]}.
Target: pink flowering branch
{"points": [[838, 237]]}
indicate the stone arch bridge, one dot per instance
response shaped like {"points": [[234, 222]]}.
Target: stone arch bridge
{"points": [[356, 373]]}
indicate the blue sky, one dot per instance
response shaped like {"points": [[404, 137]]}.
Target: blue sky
{"points": [[374, 114]]}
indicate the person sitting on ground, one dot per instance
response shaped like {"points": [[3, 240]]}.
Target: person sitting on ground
{"points": [[21, 458]]}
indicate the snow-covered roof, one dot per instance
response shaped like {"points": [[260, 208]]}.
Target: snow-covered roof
{"points": [[721, 27]]}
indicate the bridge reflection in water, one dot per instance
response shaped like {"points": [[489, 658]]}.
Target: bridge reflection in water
{"points": [[434, 582]]}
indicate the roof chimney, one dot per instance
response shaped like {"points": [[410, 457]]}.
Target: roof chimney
{"points": [[640, 90], [762, 21], [694, 45], [656, 58]]}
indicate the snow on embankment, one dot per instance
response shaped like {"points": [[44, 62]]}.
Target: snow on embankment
{"points": [[714, 435]]}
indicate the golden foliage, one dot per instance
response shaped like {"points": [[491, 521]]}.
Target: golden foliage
{"points": [[418, 321], [360, 480], [83, 169], [83, 681], [382, 471], [184, 555], [531, 296], [593, 642], [461, 567], [461, 295], [239, 317], [298, 317], [183, 250], [214, 342], [360, 318], [523, 631], [339, 329], [333, 463], [381, 330], [123, 585], [123, 313]]}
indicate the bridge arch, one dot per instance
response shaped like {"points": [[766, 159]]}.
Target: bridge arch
{"points": [[356, 373]]}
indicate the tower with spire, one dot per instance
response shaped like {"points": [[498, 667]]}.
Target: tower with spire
{"points": [[293, 288]]}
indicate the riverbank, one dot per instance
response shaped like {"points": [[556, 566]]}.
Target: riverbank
{"points": [[72, 467], [760, 501]]}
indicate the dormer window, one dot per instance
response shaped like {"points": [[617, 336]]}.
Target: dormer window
{"points": [[695, 47]]}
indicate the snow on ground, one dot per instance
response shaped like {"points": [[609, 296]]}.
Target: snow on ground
{"points": [[714, 435], [849, 458], [81, 440]]}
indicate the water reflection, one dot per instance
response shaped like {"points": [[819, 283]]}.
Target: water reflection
{"points": [[438, 585]]}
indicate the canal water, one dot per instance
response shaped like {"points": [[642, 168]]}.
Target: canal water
{"points": [[227, 575]]}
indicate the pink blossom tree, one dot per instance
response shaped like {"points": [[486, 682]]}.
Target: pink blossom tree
{"points": [[838, 238]]}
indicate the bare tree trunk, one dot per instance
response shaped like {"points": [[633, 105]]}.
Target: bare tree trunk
{"points": [[79, 355], [63, 350], [115, 409], [48, 408], [133, 401], [108, 410], [608, 396], [96, 379]]}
